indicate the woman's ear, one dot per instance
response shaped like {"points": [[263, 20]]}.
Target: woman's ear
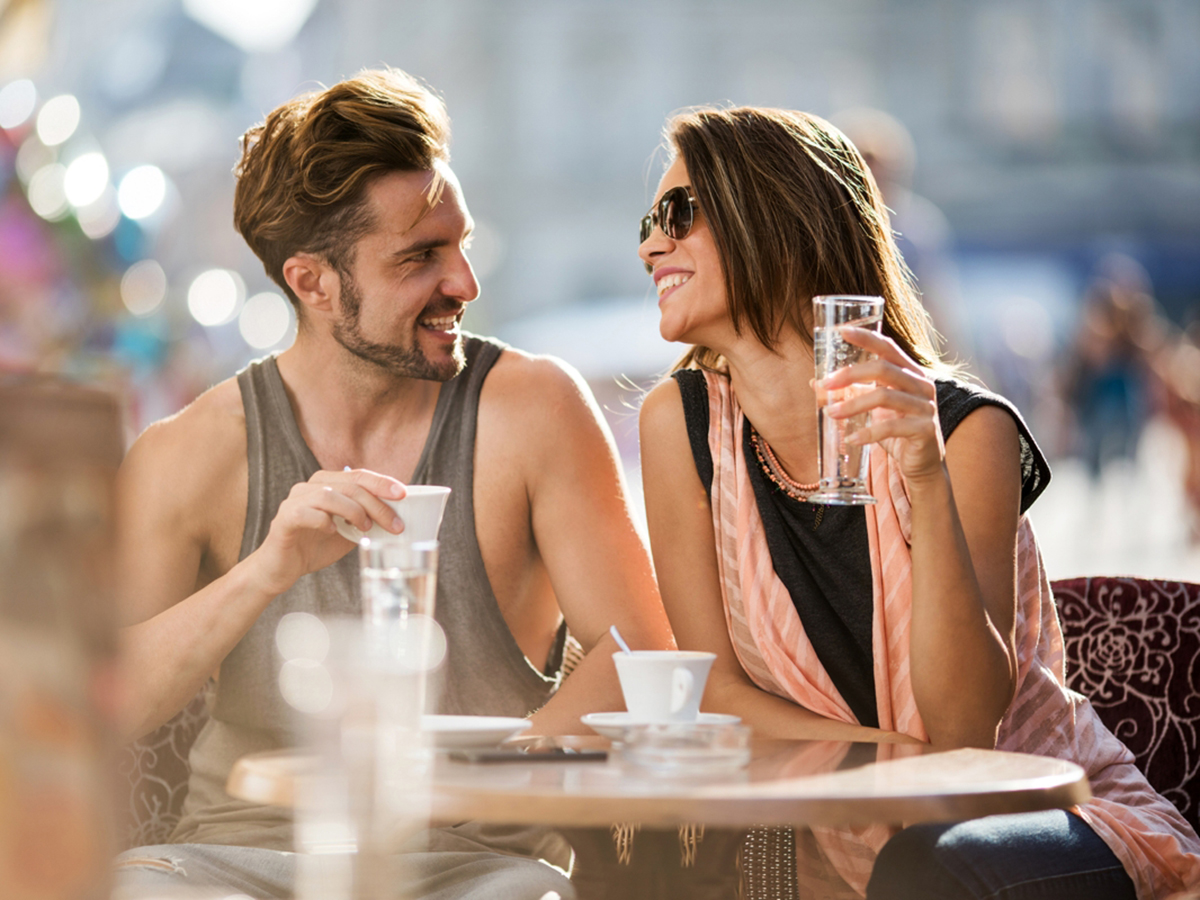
{"points": [[312, 280]]}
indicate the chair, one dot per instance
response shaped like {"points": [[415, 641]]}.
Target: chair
{"points": [[1132, 647], [156, 768]]}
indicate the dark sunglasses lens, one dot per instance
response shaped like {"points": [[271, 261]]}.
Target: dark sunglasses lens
{"points": [[675, 213]]}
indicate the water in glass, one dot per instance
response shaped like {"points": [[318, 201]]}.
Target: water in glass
{"points": [[842, 467]]}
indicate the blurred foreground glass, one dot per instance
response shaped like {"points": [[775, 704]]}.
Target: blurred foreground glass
{"points": [[842, 467], [368, 791], [399, 589], [60, 446], [361, 685]]}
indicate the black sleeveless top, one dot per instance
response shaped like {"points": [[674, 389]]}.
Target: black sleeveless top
{"points": [[826, 567]]}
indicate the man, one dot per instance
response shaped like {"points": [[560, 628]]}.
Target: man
{"points": [[227, 509]]}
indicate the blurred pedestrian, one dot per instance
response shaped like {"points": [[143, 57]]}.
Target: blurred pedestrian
{"points": [[1179, 367], [1109, 377]]}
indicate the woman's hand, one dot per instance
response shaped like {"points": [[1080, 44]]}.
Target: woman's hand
{"points": [[902, 403]]}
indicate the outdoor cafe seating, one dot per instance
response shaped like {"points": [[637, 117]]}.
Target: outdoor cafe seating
{"points": [[1127, 645]]}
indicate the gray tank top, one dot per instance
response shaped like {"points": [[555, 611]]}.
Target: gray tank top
{"points": [[485, 672]]}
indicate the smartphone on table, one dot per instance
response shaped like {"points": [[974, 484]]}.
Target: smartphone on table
{"points": [[528, 755]]}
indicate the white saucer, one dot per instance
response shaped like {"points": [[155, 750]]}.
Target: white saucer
{"points": [[613, 725], [472, 732]]}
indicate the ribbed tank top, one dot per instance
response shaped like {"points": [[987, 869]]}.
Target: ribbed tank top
{"points": [[485, 672]]}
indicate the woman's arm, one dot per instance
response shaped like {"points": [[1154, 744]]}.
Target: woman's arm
{"points": [[685, 557], [964, 546], [965, 507]]}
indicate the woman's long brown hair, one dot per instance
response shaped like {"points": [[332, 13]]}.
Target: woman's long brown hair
{"points": [[795, 214]]}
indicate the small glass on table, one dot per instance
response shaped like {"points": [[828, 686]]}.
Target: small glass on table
{"points": [[842, 467], [404, 643]]}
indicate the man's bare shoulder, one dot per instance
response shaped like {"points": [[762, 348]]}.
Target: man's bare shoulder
{"points": [[538, 418], [534, 387], [192, 453]]}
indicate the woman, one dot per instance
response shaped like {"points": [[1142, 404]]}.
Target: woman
{"points": [[926, 617]]}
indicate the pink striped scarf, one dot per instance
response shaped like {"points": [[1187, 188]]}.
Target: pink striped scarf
{"points": [[1156, 845]]}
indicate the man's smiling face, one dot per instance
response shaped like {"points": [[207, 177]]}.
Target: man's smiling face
{"points": [[407, 282]]}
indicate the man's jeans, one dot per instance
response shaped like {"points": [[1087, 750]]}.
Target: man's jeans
{"points": [[1051, 855], [459, 869]]}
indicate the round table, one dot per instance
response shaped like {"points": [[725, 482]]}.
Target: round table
{"points": [[786, 783]]}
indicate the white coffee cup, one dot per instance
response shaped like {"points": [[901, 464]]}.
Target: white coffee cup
{"points": [[663, 685], [420, 509]]}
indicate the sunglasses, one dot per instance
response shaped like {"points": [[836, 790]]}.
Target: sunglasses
{"points": [[674, 214]]}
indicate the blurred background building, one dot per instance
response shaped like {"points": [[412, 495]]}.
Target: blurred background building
{"points": [[1042, 160]]}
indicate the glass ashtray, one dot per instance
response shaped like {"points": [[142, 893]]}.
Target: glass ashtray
{"points": [[687, 748]]}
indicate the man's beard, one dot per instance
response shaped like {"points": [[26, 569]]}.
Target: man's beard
{"points": [[409, 362]]}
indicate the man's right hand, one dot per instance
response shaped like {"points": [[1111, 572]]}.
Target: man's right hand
{"points": [[186, 599], [303, 536]]}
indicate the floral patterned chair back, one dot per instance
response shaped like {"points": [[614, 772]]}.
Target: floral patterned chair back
{"points": [[1133, 648], [156, 769]]}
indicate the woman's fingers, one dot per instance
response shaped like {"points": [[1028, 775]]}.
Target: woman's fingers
{"points": [[912, 380], [881, 345], [900, 397], [900, 402], [894, 427]]}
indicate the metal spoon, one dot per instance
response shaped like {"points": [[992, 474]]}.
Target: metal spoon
{"points": [[612, 629]]}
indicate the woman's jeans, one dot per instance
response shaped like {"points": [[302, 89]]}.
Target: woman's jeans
{"points": [[1051, 855]]}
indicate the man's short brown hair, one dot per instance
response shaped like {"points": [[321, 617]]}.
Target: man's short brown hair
{"points": [[302, 178]]}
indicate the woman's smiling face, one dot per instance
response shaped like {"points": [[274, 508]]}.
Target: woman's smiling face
{"points": [[687, 274]]}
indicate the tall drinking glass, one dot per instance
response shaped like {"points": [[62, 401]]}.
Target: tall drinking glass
{"points": [[364, 789], [842, 466], [404, 642], [370, 790]]}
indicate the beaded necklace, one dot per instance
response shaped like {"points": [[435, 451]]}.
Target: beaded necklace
{"points": [[774, 471]]}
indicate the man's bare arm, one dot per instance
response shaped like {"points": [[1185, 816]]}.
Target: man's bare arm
{"points": [[185, 600], [598, 564]]}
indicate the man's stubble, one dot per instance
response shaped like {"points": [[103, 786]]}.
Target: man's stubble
{"points": [[405, 362]]}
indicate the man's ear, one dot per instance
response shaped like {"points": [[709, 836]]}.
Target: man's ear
{"points": [[312, 280]]}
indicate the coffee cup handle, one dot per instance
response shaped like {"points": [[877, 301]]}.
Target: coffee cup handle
{"points": [[346, 530], [682, 683]]}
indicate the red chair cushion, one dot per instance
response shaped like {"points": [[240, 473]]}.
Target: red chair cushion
{"points": [[1133, 648]]}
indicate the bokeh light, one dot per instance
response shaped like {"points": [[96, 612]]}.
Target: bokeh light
{"points": [[214, 296], [1027, 328], [264, 320], [260, 27], [17, 102], [58, 119], [306, 686], [33, 156], [142, 192], [143, 287], [47, 196], [86, 179], [100, 217], [301, 635]]}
